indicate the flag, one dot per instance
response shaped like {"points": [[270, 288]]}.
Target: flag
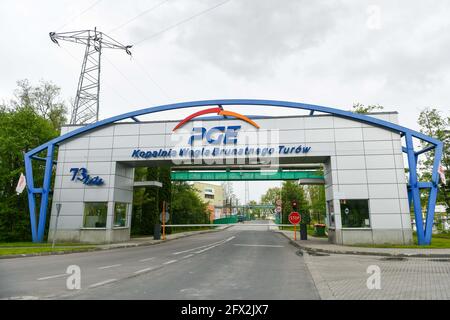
{"points": [[21, 184], [441, 172]]}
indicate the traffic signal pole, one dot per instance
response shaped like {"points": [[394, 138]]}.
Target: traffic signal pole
{"points": [[303, 227]]}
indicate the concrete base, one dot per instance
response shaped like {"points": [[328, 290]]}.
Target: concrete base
{"points": [[370, 236], [97, 236]]}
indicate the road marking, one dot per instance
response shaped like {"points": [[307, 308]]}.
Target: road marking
{"points": [[258, 245], [53, 277], [207, 245], [222, 242], [144, 270], [108, 267], [188, 256], [98, 284], [148, 259], [171, 261]]}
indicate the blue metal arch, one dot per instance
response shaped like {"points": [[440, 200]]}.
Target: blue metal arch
{"points": [[423, 234]]}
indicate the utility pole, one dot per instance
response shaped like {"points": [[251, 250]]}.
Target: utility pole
{"points": [[87, 103]]}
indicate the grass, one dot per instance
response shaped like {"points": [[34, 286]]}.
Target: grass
{"points": [[438, 241], [30, 250], [41, 244], [14, 248]]}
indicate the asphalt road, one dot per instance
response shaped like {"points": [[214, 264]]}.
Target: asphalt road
{"points": [[241, 262]]}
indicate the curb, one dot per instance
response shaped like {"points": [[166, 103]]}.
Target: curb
{"points": [[98, 248], [310, 250]]}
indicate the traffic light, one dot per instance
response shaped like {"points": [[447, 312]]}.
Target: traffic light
{"points": [[294, 205]]}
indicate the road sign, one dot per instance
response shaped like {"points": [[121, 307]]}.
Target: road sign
{"points": [[278, 202], [167, 216], [294, 218], [278, 209]]}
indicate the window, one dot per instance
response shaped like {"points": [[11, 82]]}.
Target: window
{"points": [[120, 214], [209, 196], [95, 214], [355, 213]]}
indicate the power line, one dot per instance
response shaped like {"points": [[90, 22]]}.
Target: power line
{"points": [[182, 21], [138, 16], [141, 67], [126, 78], [79, 15]]}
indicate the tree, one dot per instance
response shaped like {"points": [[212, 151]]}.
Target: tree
{"points": [[255, 212], [360, 108], [44, 99], [271, 195], [434, 124], [290, 190], [21, 130], [315, 195], [187, 207]]}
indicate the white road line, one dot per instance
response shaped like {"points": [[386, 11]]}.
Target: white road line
{"points": [[188, 256], [53, 277], [102, 283], [171, 261], [207, 245], [144, 270], [258, 245], [147, 259], [224, 241], [108, 267]]}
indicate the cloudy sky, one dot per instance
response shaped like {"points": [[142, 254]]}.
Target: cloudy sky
{"points": [[333, 53]]}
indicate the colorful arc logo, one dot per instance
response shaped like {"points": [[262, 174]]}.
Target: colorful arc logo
{"points": [[218, 111]]}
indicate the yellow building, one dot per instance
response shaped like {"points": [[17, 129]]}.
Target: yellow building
{"points": [[213, 195]]}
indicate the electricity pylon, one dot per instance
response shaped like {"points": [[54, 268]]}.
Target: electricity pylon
{"points": [[86, 105]]}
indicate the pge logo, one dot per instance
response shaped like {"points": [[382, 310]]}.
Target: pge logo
{"points": [[216, 135]]}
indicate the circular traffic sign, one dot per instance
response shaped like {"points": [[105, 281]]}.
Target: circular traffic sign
{"points": [[278, 202], [278, 209], [166, 215], [294, 218]]}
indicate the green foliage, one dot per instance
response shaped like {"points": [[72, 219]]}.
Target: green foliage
{"points": [[290, 190], [21, 130], [43, 99], [316, 201], [360, 108], [434, 124], [33, 118], [256, 212], [271, 195], [185, 206]]}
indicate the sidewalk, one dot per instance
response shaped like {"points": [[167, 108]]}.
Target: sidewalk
{"points": [[318, 245]]}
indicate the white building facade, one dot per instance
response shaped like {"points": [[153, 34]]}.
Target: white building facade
{"points": [[364, 173]]}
